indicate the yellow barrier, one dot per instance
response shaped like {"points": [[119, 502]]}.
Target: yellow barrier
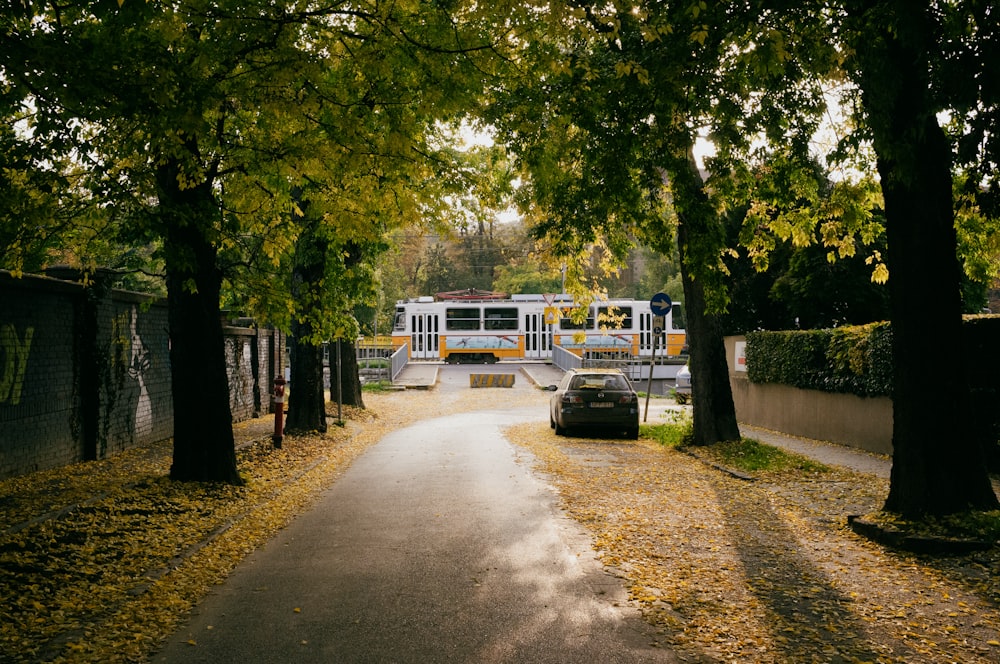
{"points": [[491, 380]]}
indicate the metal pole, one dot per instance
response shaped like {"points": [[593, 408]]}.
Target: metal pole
{"points": [[649, 385], [279, 411], [340, 388]]}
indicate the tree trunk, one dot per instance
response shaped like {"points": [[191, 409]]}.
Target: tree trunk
{"points": [[306, 403], [711, 393], [937, 467], [350, 380], [204, 448], [714, 412]]}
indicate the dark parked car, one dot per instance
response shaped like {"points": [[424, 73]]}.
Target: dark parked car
{"points": [[594, 398]]}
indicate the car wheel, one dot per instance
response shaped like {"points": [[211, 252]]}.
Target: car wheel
{"points": [[633, 433], [552, 423], [560, 430]]}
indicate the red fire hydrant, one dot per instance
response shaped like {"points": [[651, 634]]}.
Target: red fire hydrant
{"points": [[279, 411]]}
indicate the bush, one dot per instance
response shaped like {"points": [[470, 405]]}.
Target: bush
{"points": [[850, 360]]}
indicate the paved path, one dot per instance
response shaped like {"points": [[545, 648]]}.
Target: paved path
{"points": [[542, 374], [437, 545]]}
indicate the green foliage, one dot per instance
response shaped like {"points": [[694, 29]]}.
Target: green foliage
{"points": [[671, 435], [853, 360], [377, 386], [525, 278]]}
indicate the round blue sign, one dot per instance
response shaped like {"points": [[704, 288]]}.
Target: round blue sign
{"points": [[660, 304]]}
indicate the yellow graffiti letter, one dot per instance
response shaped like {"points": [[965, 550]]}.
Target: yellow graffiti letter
{"points": [[16, 353]]}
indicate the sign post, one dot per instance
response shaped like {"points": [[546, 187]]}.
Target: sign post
{"points": [[660, 306]]}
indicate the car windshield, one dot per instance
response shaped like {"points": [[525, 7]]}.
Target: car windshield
{"points": [[598, 382]]}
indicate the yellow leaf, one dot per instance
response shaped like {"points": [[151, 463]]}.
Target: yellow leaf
{"points": [[297, 610]]}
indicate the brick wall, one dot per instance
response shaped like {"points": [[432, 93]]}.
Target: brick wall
{"points": [[38, 396], [85, 372]]}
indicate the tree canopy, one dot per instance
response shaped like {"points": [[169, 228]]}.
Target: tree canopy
{"points": [[193, 125], [268, 150]]}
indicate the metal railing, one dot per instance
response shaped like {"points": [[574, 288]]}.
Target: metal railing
{"points": [[564, 359], [398, 361], [373, 349]]}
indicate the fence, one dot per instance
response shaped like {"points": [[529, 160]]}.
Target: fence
{"points": [[399, 360], [564, 359]]}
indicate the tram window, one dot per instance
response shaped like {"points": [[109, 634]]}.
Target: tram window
{"points": [[567, 323], [501, 318], [615, 318], [461, 318], [399, 323], [677, 321]]}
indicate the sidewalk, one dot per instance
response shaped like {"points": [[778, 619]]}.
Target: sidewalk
{"points": [[830, 454]]}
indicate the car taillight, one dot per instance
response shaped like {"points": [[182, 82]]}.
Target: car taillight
{"points": [[572, 398], [629, 398]]}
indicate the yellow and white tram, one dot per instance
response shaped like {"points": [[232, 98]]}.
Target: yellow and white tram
{"points": [[527, 327]]}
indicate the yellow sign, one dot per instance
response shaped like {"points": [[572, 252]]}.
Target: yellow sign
{"points": [[551, 315]]}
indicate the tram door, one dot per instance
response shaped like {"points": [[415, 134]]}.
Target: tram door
{"points": [[646, 336], [424, 336], [537, 337]]}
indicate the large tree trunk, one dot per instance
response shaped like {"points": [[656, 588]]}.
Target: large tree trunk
{"points": [[307, 405], [714, 417], [937, 467], [714, 412], [204, 448], [350, 380]]}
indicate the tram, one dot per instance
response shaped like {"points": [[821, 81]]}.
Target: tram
{"points": [[526, 327]]}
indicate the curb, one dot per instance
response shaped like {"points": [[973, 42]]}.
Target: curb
{"points": [[929, 544]]}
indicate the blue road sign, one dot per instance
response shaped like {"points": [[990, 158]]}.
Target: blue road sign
{"points": [[660, 304]]}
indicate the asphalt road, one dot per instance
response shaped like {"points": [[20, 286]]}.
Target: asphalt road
{"points": [[437, 545]]}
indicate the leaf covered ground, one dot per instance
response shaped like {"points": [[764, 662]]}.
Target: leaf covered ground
{"points": [[767, 570], [100, 561]]}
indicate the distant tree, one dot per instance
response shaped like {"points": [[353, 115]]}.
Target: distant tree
{"points": [[527, 278], [440, 275]]}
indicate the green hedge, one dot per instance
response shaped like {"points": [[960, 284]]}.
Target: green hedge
{"points": [[852, 360], [858, 360]]}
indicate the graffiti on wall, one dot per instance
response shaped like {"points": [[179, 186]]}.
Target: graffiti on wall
{"points": [[131, 357], [14, 351]]}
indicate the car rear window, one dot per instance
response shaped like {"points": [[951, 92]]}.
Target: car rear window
{"points": [[598, 382]]}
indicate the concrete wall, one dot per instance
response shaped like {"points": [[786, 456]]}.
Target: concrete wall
{"points": [[85, 372], [865, 423]]}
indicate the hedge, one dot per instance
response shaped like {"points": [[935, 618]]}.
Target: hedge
{"points": [[852, 360]]}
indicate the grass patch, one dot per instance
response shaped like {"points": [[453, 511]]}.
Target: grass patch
{"points": [[671, 435], [753, 456], [377, 386], [747, 455]]}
